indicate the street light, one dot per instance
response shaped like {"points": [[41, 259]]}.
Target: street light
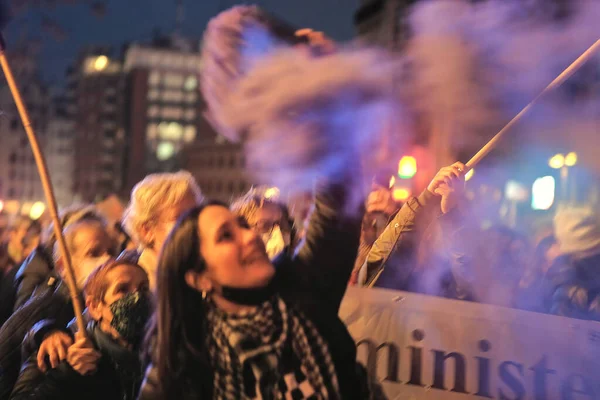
{"points": [[571, 159], [562, 162]]}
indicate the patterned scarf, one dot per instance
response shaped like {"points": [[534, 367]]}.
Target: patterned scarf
{"points": [[273, 352]]}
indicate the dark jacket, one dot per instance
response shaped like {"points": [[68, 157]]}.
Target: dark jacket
{"points": [[33, 273], [118, 376], [53, 302], [8, 269], [576, 285], [7, 294], [314, 281]]}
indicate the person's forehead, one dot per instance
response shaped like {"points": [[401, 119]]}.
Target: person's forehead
{"points": [[124, 272], [88, 234], [212, 218]]}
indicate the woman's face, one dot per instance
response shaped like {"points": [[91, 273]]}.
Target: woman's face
{"points": [[235, 255]]}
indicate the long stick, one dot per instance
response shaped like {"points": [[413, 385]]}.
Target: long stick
{"points": [[555, 83], [47, 185]]}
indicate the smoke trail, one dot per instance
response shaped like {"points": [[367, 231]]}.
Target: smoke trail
{"points": [[475, 65], [311, 117]]}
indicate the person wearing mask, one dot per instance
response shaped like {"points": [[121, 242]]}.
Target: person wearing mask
{"points": [[104, 364], [38, 267], [269, 219], [89, 245], [156, 203]]}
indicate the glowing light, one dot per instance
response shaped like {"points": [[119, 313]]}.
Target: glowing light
{"points": [[515, 191], [401, 194], [571, 159], [189, 133], [190, 83], [469, 174], [165, 150], [11, 206], [542, 193], [271, 193], [1, 205], [100, 63], [392, 182], [26, 208], [407, 167], [37, 210], [557, 161]]}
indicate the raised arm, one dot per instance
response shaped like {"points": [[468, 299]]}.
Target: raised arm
{"points": [[324, 260]]}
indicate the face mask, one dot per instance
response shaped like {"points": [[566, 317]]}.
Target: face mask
{"points": [[274, 242], [85, 267], [130, 315]]}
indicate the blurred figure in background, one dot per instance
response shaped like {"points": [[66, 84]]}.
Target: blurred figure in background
{"points": [[156, 204], [50, 307], [379, 208], [576, 273], [38, 267], [269, 218]]}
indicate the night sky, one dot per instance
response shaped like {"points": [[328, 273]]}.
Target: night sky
{"points": [[136, 20]]}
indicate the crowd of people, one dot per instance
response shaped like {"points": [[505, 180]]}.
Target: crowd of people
{"points": [[204, 299], [189, 298]]}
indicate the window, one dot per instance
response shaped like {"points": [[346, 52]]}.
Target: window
{"points": [[153, 111], [173, 96], [172, 80], [153, 94], [154, 78], [191, 83], [170, 131], [172, 112], [151, 131], [232, 162], [189, 133], [191, 97], [190, 114]]}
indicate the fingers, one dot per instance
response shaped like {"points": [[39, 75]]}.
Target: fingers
{"points": [[55, 348], [41, 355]]}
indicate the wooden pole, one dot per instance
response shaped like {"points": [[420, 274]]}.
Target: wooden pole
{"points": [[47, 185], [566, 74]]}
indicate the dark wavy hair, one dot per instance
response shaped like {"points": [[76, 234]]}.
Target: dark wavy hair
{"points": [[178, 331]]}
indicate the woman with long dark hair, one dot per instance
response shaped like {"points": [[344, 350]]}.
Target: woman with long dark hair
{"points": [[230, 324]]}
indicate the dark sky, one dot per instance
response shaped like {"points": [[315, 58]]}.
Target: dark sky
{"points": [[135, 20]]}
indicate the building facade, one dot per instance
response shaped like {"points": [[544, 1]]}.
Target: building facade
{"points": [[96, 91], [219, 168], [164, 106], [19, 178]]}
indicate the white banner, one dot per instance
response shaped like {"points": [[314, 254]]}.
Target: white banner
{"points": [[423, 347]]}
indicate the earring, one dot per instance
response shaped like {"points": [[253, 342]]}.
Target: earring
{"points": [[204, 295]]}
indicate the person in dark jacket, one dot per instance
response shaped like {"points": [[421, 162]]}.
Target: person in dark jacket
{"points": [[38, 267], [231, 324], [105, 364], [89, 245]]}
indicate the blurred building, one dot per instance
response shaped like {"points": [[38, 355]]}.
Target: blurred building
{"points": [[19, 179], [164, 106], [60, 152], [219, 168], [96, 94]]}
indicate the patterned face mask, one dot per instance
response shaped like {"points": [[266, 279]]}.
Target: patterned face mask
{"points": [[130, 315]]}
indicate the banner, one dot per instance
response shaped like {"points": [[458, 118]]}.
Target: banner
{"points": [[422, 347]]}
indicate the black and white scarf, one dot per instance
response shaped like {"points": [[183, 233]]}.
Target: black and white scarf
{"points": [[273, 352]]}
